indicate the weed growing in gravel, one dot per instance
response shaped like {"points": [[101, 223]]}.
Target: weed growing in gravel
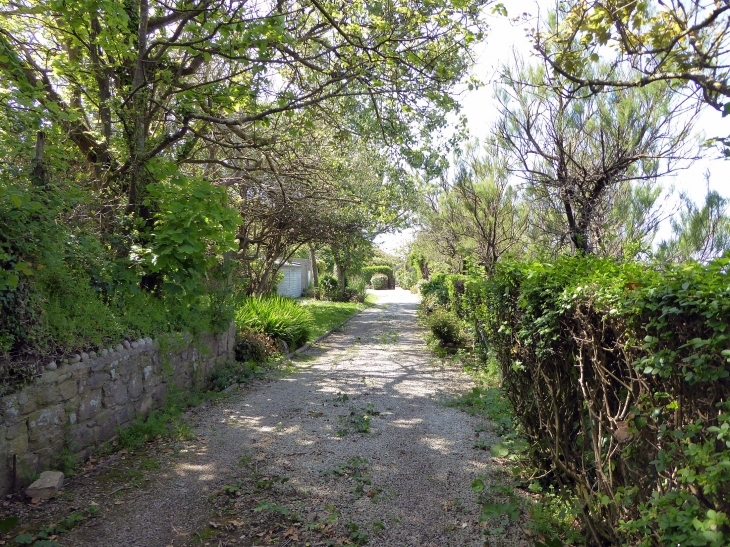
{"points": [[46, 536], [358, 421], [357, 536], [341, 398]]}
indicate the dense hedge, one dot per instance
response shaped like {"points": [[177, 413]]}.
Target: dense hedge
{"points": [[618, 375], [369, 271]]}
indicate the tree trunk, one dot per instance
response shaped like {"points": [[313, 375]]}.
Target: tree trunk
{"points": [[313, 263], [341, 279]]}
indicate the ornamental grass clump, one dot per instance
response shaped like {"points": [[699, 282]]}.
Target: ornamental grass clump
{"points": [[275, 316]]}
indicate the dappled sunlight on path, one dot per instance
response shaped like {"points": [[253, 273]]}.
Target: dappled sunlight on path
{"points": [[370, 393]]}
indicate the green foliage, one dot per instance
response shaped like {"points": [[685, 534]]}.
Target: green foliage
{"points": [[619, 371], [445, 327], [234, 373], [62, 289], [328, 288], [700, 233], [275, 316], [254, 346], [435, 290], [192, 228], [369, 271], [406, 279], [379, 281], [357, 421], [165, 422], [328, 315]]}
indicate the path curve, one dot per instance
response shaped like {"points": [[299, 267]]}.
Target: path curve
{"points": [[420, 454]]}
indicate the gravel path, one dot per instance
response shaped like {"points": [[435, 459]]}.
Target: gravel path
{"points": [[420, 456]]}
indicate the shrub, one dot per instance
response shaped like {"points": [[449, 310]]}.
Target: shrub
{"points": [[275, 316], [379, 281], [233, 373], [369, 271], [455, 286], [444, 325], [253, 346], [419, 286], [357, 290], [406, 279], [618, 376], [435, 288], [328, 288]]}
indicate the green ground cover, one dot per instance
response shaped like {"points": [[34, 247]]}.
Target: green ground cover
{"points": [[327, 315]]}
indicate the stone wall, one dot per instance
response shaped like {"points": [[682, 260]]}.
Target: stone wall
{"points": [[81, 402]]}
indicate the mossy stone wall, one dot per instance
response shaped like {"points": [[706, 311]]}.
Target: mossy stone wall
{"points": [[81, 402]]}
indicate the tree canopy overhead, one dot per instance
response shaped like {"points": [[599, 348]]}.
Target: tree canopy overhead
{"points": [[131, 82], [669, 41]]}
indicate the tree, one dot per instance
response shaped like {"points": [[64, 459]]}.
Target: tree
{"points": [[479, 215], [581, 154], [645, 42], [147, 91], [700, 233]]}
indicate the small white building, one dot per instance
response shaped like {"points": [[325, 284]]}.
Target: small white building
{"points": [[297, 275]]}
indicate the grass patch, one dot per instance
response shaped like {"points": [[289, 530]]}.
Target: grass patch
{"points": [[328, 315]]}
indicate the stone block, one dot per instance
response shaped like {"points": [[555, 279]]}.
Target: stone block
{"points": [[125, 414], [18, 445], [45, 427], [68, 389], [115, 393], [144, 406], [135, 385], [10, 409], [158, 395], [80, 370], [80, 437], [106, 427], [51, 376], [46, 486], [89, 406], [127, 368], [212, 347], [26, 404], [96, 380], [222, 343], [16, 430]]}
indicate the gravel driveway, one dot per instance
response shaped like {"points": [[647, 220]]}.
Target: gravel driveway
{"points": [[361, 410]]}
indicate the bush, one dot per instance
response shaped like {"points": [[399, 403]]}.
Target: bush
{"points": [[444, 325], [328, 288], [618, 376], [369, 271], [233, 373], [406, 279], [379, 281], [254, 346], [275, 316], [419, 286], [435, 289], [357, 290]]}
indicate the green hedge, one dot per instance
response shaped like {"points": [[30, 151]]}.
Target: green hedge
{"points": [[369, 271], [618, 374]]}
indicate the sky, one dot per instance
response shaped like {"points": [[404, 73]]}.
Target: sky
{"points": [[479, 107]]}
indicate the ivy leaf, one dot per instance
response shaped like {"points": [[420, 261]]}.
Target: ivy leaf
{"points": [[499, 450]]}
